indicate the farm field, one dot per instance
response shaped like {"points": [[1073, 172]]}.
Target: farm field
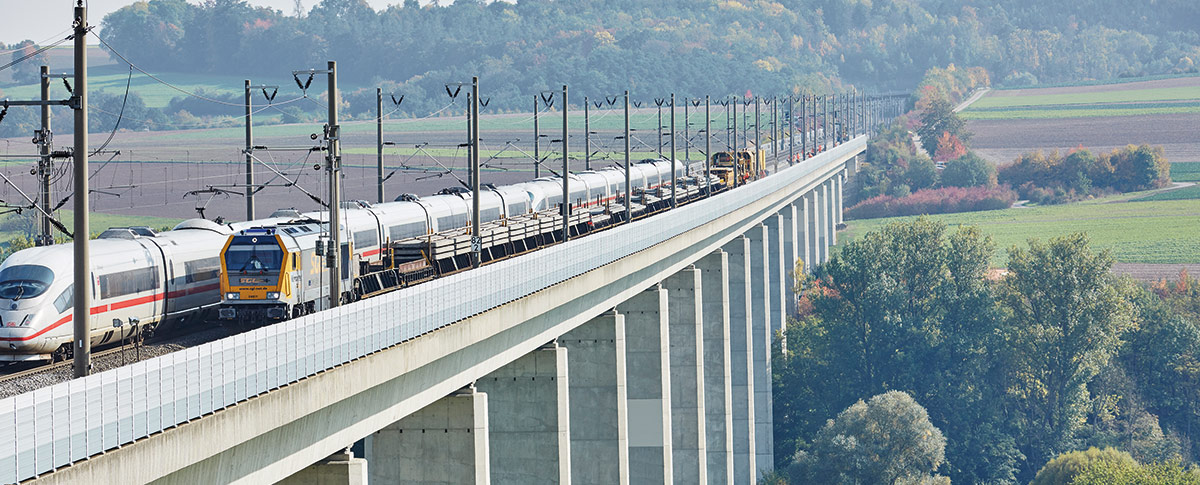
{"points": [[1160, 232], [1102, 117], [10, 228]]}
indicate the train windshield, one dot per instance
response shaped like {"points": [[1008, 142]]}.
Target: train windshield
{"points": [[24, 281], [250, 256]]}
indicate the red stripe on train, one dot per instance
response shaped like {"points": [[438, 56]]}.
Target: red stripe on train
{"points": [[117, 306]]}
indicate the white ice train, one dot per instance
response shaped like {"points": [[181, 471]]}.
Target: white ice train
{"points": [[166, 278]]}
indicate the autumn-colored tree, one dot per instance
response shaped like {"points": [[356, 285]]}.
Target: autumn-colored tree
{"points": [[949, 147]]}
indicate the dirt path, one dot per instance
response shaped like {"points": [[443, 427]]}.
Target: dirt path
{"points": [[974, 97]]}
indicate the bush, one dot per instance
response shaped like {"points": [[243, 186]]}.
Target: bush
{"points": [[1080, 173], [1065, 467], [934, 201], [969, 170]]}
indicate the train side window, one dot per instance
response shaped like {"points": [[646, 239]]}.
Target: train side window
{"points": [[66, 300], [128, 282], [201, 270], [366, 239], [294, 258]]}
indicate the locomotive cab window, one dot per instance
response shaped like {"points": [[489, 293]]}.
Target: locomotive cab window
{"points": [[24, 281], [253, 255]]}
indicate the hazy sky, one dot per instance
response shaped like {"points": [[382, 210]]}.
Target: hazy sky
{"points": [[41, 20]]}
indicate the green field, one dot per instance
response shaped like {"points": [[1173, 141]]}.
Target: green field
{"points": [[111, 79], [1127, 102], [99, 222], [1185, 171], [1185, 193], [1125, 96], [1136, 232]]}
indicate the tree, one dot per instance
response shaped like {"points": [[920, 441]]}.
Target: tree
{"points": [[1066, 316], [1123, 473], [1063, 469], [886, 440], [949, 147], [27, 71], [921, 174], [938, 118], [969, 170]]}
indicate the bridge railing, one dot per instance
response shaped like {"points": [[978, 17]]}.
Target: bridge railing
{"points": [[58, 425]]}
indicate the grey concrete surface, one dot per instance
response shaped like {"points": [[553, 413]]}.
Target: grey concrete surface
{"points": [[597, 387], [689, 442], [339, 469], [529, 419], [741, 365], [648, 357], [718, 396], [445, 443], [776, 271], [760, 315]]}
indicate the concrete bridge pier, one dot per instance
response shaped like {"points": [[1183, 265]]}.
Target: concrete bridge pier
{"points": [[529, 419], [718, 395], [760, 331], [824, 212], [741, 361], [598, 403], [443, 443], [648, 356], [804, 232], [776, 272], [688, 431], [812, 210]]}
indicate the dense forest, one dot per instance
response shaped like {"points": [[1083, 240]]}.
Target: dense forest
{"points": [[1014, 368], [689, 47]]}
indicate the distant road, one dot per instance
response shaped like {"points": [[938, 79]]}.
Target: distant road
{"points": [[974, 97]]}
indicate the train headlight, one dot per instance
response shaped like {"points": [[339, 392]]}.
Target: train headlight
{"points": [[273, 295], [233, 296]]}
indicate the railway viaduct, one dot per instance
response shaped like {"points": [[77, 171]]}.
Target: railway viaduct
{"points": [[639, 354]]}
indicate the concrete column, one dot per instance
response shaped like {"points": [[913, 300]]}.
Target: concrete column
{"points": [[804, 231], [598, 414], [814, 227], [741, 366], [339, 469], [718, 395], [528, 414], [648, 356], [776, 271], [825, 210], [760, 314], [841, 196], [686, 333], [835, 208], [444, 443], [791, 247]]}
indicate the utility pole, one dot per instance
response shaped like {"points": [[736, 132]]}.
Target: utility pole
{"points": [[707, 150], [791, 114], [659, 128], [587, 137], [674, 170], [757, 142], [476, 241], [537, 159], [737, 155], [379, 143], [566, 174], [470, 173], [333, 158], [249, 157], [775, 133], [628, 190], [81, 316], [687, 134], [45, 163], [803, 127]]}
